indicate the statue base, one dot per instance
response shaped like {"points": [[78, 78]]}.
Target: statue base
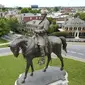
{"points": [[53, 76]]}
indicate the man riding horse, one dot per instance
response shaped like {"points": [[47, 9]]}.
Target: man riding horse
{"points": [[41, 35]]}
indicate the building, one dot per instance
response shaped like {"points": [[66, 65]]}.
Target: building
{"points": [[26, 17], [34, 6], [75, 27]]}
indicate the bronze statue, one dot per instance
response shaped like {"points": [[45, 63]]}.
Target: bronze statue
{"points": [[40, 45], [30, 50], [40, 33]]}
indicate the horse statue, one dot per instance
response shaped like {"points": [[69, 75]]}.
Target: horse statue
{"points": [[30, 50]]}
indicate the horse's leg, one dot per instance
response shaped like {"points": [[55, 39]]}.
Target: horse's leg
{"points": [[62, 64], [49, 58], [26, 71], [32, 69]]}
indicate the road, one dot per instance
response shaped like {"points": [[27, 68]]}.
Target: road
{"points": [[75, 50], [5, 51]]}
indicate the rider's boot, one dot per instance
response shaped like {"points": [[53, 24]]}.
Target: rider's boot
{"points": [[42, 60]]}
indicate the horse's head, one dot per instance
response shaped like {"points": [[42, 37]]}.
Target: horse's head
{"points": [[14, 48]]}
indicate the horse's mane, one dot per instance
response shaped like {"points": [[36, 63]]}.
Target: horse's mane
{"points": [[19, 39]]}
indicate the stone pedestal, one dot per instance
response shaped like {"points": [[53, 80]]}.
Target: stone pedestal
{"points": [[53, 76]]}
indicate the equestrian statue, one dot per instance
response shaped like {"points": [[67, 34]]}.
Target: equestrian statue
{"points": [[39, 45]]}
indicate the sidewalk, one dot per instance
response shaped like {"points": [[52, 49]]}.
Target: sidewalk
{"points": [[53, 55], [74, 58]]}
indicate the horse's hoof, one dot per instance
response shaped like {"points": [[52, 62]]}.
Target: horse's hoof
{"points": [[44, 70], [23, 81], [31, 74]]}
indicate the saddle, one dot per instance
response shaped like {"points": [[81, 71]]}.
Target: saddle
{"points": [[38, 46]]}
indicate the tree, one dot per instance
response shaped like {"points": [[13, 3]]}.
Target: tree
{"points": [[77, 14], [56, 9], [34, 11], [13, 24], [4, 26], [82, 16], [53, 26], [24, 10], [19, 8], [4, 9], [50, 19]]}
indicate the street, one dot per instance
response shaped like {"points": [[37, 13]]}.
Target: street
{"points": [[5, 51], [73, 49], [76, 50]]}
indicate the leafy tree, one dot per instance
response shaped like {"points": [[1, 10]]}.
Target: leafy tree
{"points": [[50, 19], [82, 16], [56, 9], [4, 26], [77, 14], [29, 9], [24, 10], [13, 24], [19, 8], [53, 26], [34, 11], [4, 9], [65, 34]]}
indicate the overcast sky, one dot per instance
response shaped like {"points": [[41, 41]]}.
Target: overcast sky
{"points": [[27, 3]]}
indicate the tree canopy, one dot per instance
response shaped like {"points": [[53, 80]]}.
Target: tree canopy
{"points": [[4, 26], [81, 15], [56, 9]]}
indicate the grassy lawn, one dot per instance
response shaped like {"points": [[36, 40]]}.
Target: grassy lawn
{"points": [[11, 67], [2, 46], [2, 41]]}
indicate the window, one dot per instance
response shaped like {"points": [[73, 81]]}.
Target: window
{"points": [[75, 28], [79, 28], [66, 28], [83, 28], [70, 28]]}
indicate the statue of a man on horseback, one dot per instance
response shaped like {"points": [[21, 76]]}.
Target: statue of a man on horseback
{"points": [[45, 45], [41, 35]]}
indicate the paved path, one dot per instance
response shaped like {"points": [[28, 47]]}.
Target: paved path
{"points": [[75, 51], [5, 51]]}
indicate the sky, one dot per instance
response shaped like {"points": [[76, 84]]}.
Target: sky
{"points": [[42, 3]]}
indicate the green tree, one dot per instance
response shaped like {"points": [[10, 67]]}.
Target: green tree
{"points": [[77, 14], [24, 10], [82, 16], [35, 11], [56, 9], [53, 26], [4, 9], [19, 8], [4, 26], [13, 24], [50, 19]]}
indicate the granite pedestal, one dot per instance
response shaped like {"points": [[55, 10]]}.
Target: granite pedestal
{"points": [[53, 76]]}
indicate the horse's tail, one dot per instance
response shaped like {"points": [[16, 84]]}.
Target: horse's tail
{"points": [[63, 39]]}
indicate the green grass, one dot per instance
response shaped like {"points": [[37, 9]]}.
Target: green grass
{"points": [[11, 67], [3, 46], [2, 41]]}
